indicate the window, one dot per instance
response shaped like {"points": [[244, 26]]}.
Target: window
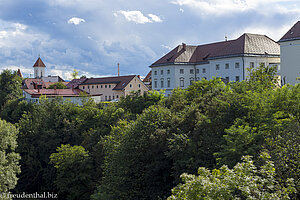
{"points": [[217, 67], [181, 82], [226, 66], [105, 97], [105, 86], [97, 86], [161, 72], [117, 96], [155, 72], [181, 71], [227, 79], [139, 85], [197, 71], [113, 97], [237, 65], [168, 82], [252, 64], [82, 87], [92, 87], [88, 87], [168, 71], [101, 86], [130, 85], [237, 78], [162, 83], [155, 83], [109, 86], [191, 71], [191, 81], [203, 70]]}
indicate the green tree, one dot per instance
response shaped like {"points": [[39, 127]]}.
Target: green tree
{"points": [[59, 85], [74, 74], [10, 86], [74, 172], [136, 166], [244, 181], [9, 159]]}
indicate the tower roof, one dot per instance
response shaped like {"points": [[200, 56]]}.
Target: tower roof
{"points": [[39, 63], [292, 34]]}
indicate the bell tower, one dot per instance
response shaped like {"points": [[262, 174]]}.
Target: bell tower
{"points": [[39, 68]]}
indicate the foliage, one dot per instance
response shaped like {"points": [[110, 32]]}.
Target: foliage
{"points": [[10, 86], [14, 109], [244, 181], [59, 85], [9, 159], [136, 166], [74, 172], [74, 74], [136, 102]]}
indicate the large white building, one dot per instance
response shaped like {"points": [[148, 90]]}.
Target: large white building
{"points": [[228, 60], [290, 55]]}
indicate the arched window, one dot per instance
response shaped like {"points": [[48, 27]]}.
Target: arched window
{"points": [[181, 82]]}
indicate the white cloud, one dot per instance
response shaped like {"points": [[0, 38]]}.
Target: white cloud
{"points": [[224, 7], [154, 18], [75, 20], [138, 17]]}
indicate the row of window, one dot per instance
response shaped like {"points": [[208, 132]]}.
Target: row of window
{"points": [[105, 86], [227, 66], [109, 97], [181, 81]]}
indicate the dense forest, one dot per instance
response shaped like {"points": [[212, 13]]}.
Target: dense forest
{"points": [[210, 141]]}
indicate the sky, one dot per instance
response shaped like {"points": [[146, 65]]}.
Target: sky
{"points": [[92, 36]]}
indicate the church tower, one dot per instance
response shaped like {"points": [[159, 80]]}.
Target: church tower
{"points": [[39, 68]]}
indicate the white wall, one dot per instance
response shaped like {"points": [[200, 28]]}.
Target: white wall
{"points": [[290, 61], [210, 71]]}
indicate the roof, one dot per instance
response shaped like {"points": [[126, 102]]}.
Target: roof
{"points": [[292, 34], [54, 92], [148, 77], [39, 63], [19, 73], [30, 82], [120, 81], [75, 82], [244, 45]]}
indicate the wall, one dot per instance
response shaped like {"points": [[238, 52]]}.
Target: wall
{"points": [[290, 61], [208, 71]]}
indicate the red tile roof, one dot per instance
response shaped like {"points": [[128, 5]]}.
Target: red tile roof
{"points": [[148, 77], [245, 44], [54, 92], [121, 81], [292, 34], [29, 83], [76, 82], [39, 63]]}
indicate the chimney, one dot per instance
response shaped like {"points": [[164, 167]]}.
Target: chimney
{"points": [[139, 76], [118, 69], [226, 38], [183, 46]]}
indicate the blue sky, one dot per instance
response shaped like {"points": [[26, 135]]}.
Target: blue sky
{"points": [[92, 36]]}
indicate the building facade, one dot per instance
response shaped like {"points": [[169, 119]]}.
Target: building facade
{"points": [[112, 88], [228, 60], [290, 55]]}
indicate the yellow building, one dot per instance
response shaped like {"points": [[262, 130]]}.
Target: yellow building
{"points": [[112, 88]]}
